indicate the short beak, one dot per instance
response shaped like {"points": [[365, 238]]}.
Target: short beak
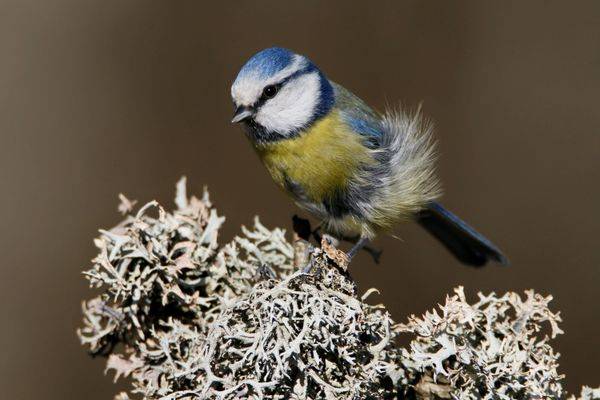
{"points": [[241, 113]]}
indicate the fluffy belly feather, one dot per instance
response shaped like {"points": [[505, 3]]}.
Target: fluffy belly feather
{"points": [[317, 165]]}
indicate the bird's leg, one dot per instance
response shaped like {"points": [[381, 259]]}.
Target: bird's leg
{"points": [[373, 252], [360, 243], [308, 268], [304, 230], [302, 227], [316, 233], [265, 272]]}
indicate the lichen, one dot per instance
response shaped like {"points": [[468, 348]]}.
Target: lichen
{"points": [[156, 268], [492, 349], [184, 317]]}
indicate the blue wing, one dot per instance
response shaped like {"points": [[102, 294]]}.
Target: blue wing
{"points": [[359, 116]]}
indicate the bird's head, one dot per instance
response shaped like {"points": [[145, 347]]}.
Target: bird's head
{"points": [[278, 93]]}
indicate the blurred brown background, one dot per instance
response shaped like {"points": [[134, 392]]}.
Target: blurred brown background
{"points": [[101, 97]]}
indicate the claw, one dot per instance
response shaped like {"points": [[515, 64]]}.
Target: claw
{"points": [[309, 267], [265, 272]]}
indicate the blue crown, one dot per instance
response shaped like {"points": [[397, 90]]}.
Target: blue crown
{"points": [[267, 62]]}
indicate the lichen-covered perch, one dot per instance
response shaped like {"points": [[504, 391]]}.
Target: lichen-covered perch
{"points": [[262, 318]]}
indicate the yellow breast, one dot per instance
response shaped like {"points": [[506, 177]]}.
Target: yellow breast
{"points": [[321, 160]]}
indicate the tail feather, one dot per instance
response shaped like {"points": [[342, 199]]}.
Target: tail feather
{"points": [[467, 245]]}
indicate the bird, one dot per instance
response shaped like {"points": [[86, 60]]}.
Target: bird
{"points": [[360, 172]]}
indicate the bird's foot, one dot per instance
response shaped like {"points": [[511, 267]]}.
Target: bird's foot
{"points": [[374, 253], [265, 272], [361, 243], [309, 267], [303, 229]]}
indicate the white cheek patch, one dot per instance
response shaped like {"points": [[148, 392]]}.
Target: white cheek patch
{"points": [[293, 107], [247, 89]]}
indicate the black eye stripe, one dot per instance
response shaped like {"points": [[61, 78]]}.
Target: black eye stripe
{"points": [[264, 96], [278, 85]]}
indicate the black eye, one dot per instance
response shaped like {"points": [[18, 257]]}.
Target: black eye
{"points": [[270, 91]]}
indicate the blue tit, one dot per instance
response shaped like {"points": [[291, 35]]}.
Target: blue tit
{"points": [[358, 171]]}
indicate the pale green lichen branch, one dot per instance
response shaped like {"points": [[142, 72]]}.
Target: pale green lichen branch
{"points": [[185, 317]]}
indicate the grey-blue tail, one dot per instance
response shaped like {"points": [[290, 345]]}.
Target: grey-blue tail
{"points": [[467, 245]]}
